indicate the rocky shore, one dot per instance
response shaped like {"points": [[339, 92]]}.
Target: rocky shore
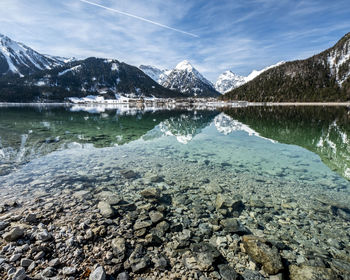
{"points": [[149, 228]]}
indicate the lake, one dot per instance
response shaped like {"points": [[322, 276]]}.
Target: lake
{"points": [[212, 176]]}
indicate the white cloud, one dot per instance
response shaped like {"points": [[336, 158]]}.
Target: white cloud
{"points": [[236, 35]]}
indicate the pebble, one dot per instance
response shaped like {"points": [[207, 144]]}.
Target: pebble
{"points": [[26, 262], [15, 257], [39, 255], [20, 274]]}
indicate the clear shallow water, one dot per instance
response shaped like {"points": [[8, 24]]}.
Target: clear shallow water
{"points": [[289, 165], [243, 140]]}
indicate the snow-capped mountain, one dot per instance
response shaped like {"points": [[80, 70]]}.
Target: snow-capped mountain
{"points": [[155, 73], [187, 80], [100, 77], [19, 59], [228, 80]]}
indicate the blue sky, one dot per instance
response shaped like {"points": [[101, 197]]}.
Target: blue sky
{"points": [[232, 35]]}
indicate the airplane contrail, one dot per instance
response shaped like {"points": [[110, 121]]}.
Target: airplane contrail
{"points": [[139, 18]]}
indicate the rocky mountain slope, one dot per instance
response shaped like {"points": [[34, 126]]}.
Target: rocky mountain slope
{"points": [[183, 78], [155, 73], [17, 58], [323, 77]]}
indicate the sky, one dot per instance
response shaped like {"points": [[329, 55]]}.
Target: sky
{"points": [[214, 35]]}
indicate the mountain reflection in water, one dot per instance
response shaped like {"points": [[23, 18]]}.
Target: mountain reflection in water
{"points": [[30, 132]]}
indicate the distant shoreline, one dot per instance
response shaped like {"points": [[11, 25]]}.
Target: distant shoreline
{"points": [[299, 103], [190, 102]]}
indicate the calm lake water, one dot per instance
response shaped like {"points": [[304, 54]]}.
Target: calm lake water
{"points": [[296, 144], [294, 162]]}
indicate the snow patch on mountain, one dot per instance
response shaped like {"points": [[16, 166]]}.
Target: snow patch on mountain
{"points": [[337, 59], [256, 73], [73, 69], [114, 67]]}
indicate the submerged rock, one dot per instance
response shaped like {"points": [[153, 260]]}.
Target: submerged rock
{"points": [[156, 216], [129, 174], [262, 253], [205, 255], [118, 246], [232, 225], [150, 193], [305, 272], [105, 209], [227, 272], [3, 225]]}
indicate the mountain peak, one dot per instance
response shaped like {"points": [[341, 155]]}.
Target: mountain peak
{"points": [[187, 80], [228, 81], [185, 66]]}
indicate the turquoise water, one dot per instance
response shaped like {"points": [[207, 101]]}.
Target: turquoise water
{"points": [[56, 144], [288, 167], [52, 139]]}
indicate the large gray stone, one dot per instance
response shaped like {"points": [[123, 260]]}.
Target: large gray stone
{"points": [[98, 274], [156, 216], [69, 270], [26, 262], [142, 224], [14, 234]]}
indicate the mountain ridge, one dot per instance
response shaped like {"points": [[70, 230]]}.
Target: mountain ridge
{"points": [[91, 76], [17, 58], [184, 78], [228, 80]]}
